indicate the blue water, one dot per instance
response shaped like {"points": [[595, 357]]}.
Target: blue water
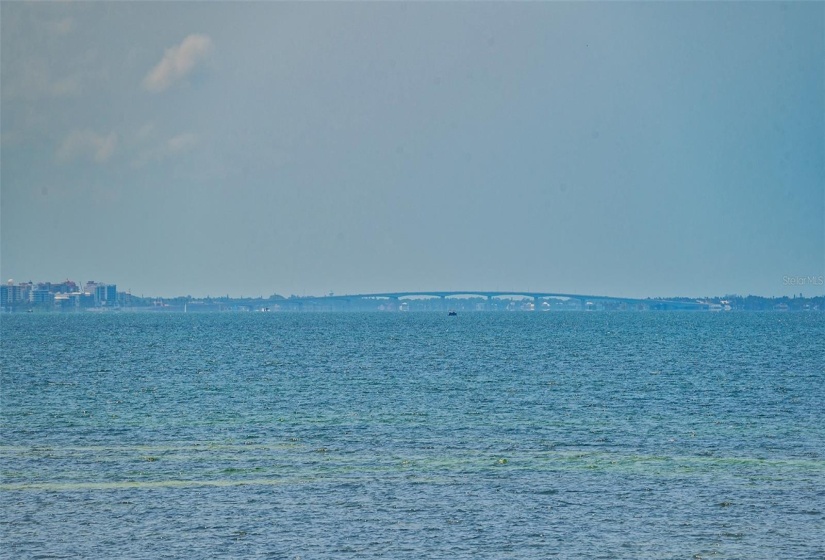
{"points": [[501, 435]]}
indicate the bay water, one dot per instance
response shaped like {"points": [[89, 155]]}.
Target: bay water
{"points": [[413, 435]]}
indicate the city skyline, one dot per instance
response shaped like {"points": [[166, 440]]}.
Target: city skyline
{"points": [[636, 150]]}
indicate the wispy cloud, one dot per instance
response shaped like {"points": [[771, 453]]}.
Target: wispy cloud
{"points": [[178, 62], [181, 143], [80, 144], [176, 145], [146, 131], [32, 79], [69, 86], [61, 27]]}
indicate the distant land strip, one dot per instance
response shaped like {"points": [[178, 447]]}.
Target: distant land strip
{"points": [[68, 296]]}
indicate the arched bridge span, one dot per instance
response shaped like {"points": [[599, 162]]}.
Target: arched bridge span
{"points": [[536, 296]]}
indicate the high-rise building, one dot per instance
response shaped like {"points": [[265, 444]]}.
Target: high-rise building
{"points": [[12, 294], [42, 297], [104, 294]]}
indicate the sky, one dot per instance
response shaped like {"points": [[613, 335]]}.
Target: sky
{"points": [[246, 149]]}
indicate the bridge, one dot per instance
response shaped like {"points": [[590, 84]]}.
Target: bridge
{"points": [[537, 298]]}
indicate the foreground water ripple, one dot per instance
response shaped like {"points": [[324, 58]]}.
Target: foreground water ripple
{"points": [[525, 435]]}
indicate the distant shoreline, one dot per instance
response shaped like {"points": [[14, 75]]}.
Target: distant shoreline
{"points": [[127, 303]]}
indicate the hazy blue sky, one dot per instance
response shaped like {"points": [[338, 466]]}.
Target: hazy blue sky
{"points": [[250, 148]]}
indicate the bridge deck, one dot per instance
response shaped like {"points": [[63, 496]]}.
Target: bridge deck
{"points": [[495, 294]]}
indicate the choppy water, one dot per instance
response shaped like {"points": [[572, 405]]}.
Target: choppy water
{"points": [[524, 435]]}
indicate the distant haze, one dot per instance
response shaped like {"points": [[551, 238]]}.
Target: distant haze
{"points": [[629, 149]]}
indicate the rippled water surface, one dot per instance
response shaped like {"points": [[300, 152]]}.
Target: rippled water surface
{"points": [[503, 435]]}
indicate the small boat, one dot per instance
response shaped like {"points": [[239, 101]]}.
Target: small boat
{"points": [[452, 313]]}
